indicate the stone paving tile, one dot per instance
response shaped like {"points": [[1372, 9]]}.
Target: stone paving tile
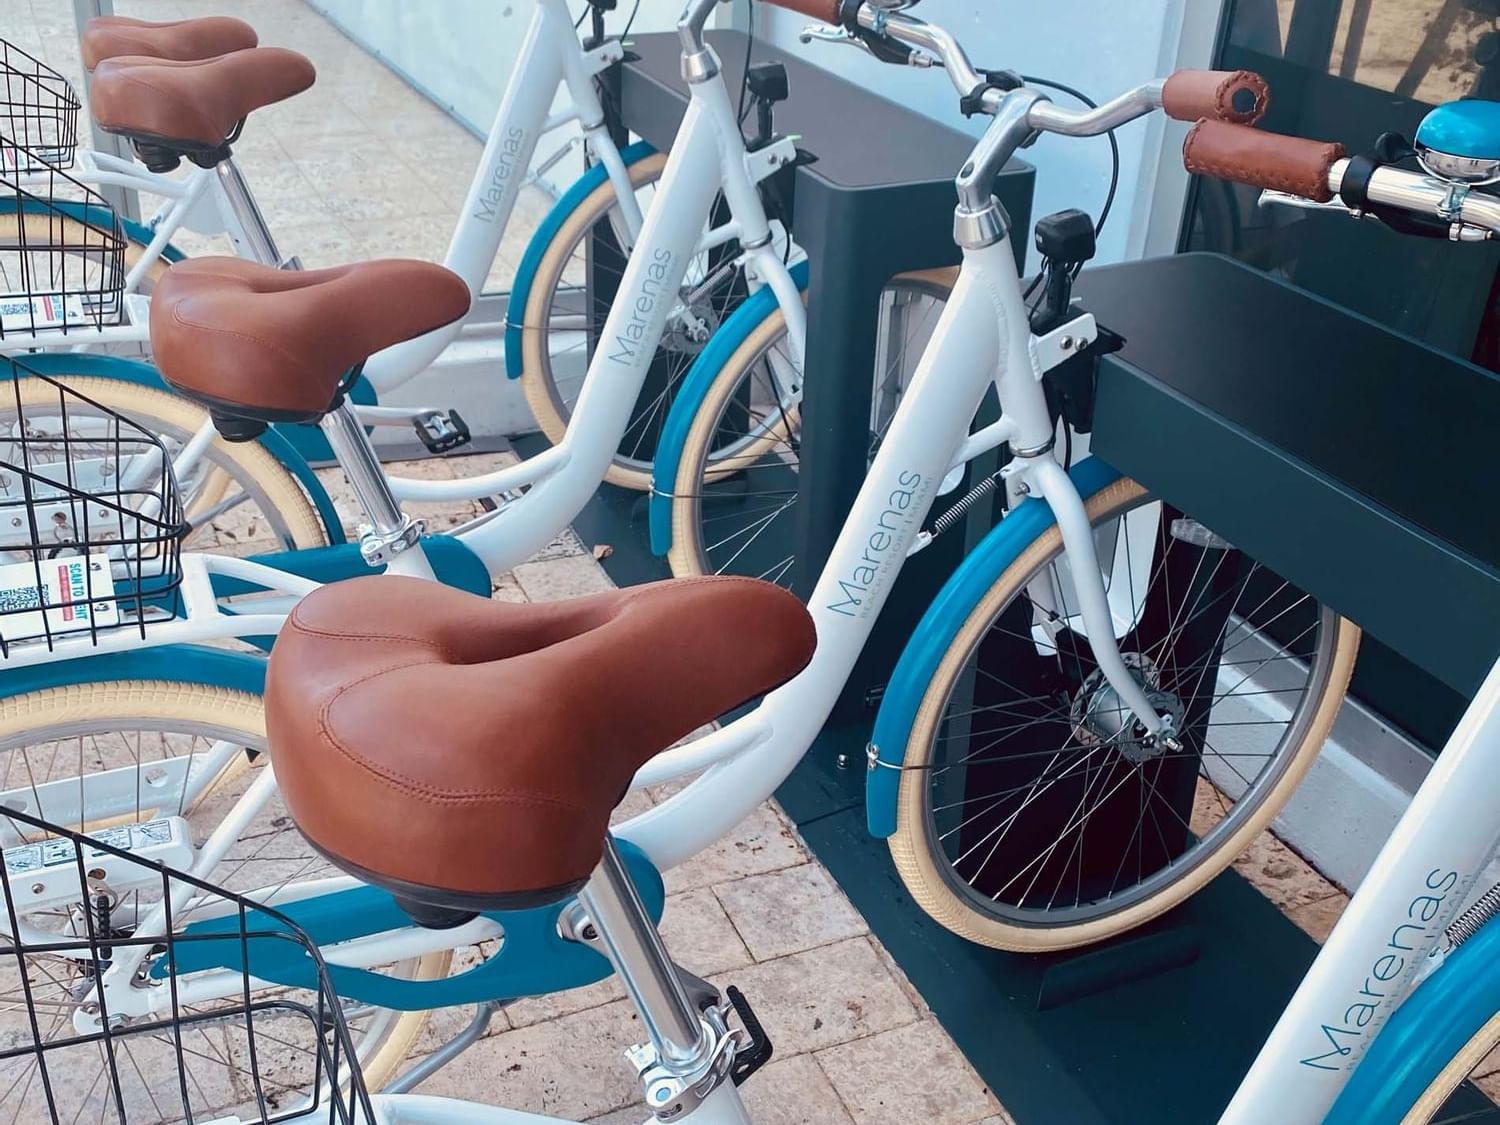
{"points": [[900, 977], [507, 589], [1318, 917], [824, 997], [1281, 874], [761, 842], [794, 1091], [572, 1067], [628, 1115], [569, 576], [913, 1073], [788, 911]]}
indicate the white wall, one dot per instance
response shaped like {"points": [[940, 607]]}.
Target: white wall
{"points": [[1101, 47]]}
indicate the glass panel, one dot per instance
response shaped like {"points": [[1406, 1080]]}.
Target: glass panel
{"points": [[1347, 71]]}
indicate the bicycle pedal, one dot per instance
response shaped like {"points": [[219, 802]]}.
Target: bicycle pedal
{"points": [[752, 1058], [442, 431]]}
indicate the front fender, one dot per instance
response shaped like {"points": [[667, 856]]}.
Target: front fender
{"points": [[689, 400], [288, 452], [1432, 1025], [938, 629]]}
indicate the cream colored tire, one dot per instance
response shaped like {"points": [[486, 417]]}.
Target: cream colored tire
{"points": [[40, 228], [913, 852], [1485, 1040], [156, 410], [229, 714], [686, 556], [536, 370]]}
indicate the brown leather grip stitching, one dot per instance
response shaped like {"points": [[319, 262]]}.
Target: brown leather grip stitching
{"points": [[1220, 95], [1264, 160]]}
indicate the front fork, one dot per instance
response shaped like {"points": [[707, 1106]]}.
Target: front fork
{"points": [[1042, 475]]}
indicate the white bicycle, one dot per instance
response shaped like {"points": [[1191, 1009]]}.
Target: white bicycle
{"points": [[549, 326], [533, 501], [191, 709], [1125, 722]]}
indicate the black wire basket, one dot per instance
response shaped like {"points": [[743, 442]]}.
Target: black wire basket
{"points": [[38, 110], [62, 249], [91, 519], [90, 917]]}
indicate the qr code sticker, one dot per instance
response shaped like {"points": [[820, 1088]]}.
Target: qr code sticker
{"points": [[17, 599]]}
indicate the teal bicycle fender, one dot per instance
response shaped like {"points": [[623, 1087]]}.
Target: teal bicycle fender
{"points": [[1421, 1038], [533, 960], [935, 634], [536, 249], [274, 440], [193, 664], [689, 400]]}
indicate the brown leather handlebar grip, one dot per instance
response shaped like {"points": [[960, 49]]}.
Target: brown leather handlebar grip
{"points": [[1239, 96], [1263, 160], [825, 11]]}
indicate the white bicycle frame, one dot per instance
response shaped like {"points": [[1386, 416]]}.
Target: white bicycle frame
{"points": [[708, 158], [983, 339], [1391, 936], [1392, 932]]}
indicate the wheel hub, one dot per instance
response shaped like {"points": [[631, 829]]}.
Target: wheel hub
{"points": [[689, 331], [1101, 717]]}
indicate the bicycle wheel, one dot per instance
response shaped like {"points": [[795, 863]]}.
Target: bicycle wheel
{"points": [[1029, 816], [240, 499], [36, 229], [1477, 1063], [736, 483], [561, 322], [102, 754]]}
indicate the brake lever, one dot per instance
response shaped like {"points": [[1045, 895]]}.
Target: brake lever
{"points": [[1269, 198], [822, 33], [884, 50]]}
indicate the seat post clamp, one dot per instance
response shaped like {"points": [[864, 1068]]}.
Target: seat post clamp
{"points": [[670, 1095], [379, 548]]}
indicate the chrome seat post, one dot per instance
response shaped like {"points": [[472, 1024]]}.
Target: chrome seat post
{"points": [[258, 238], [646, 971], [390, 530], [689, 1052]]}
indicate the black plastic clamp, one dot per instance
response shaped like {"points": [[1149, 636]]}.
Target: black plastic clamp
{"points": [[1003, 80]]}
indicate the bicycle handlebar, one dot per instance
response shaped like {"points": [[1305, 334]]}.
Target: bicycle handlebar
{"points": [[1238, 96], [1298, 170], [1266, 160], [824, 11]]}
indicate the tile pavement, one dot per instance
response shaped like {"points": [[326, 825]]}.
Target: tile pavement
{"points": [[361, 166]]}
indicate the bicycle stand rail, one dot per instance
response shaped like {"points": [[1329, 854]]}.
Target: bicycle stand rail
{"points": [[1356, 462]]}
